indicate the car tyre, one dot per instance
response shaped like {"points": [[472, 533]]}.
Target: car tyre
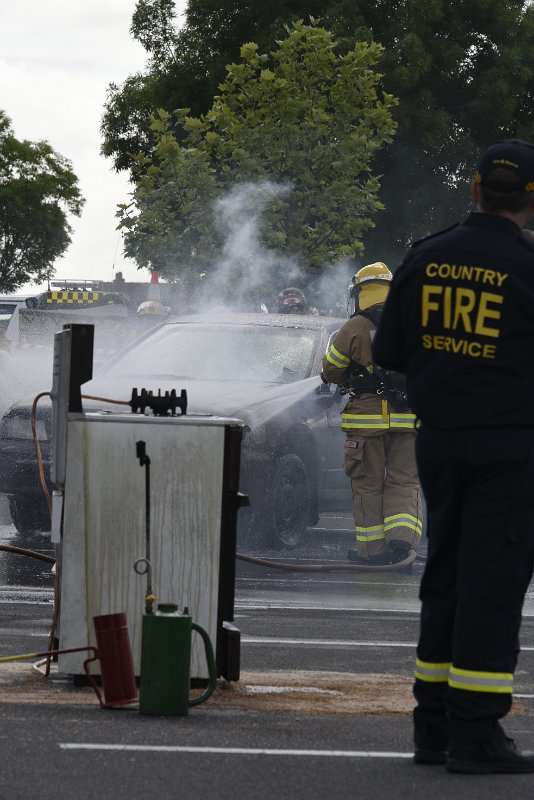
{"points": [[289, 501], [29, 515]]}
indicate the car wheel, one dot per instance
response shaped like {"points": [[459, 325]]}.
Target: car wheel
{"points": [[29, 514], [289, 501]]}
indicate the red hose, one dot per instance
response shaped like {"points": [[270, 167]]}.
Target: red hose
{"points": [[333, 567]]}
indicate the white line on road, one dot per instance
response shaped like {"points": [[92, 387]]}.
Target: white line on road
{"points": [[322, 642], [334, 642], [247, 751], [249, 605]]}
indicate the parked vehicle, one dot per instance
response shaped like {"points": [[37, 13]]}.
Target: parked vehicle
{"points": [[10, 306], [261, 368]]}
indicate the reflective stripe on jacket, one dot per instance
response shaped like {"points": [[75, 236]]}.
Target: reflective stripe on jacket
{"points": [[391, 420], [370, 412]]}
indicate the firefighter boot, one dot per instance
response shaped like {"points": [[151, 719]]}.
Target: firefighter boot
{"points": [[372, 561], [398, 551], [430, 735], [497, 754]]}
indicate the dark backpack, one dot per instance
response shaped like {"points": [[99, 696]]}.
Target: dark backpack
{"points": [[386, 383]]}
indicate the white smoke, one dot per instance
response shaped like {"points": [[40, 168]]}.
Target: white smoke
{"points": [[25, 373], [329, 291], [246, 266]]}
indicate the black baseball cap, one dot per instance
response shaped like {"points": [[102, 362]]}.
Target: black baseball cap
{"points": [[514, 155]]}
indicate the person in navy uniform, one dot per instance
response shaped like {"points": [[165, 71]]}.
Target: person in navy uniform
{"points": [[459, 322]]}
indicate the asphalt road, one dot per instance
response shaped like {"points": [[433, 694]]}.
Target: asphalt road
{"points": [[304, 636]]}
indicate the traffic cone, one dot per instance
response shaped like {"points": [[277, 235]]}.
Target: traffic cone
{"points": [[154, 291]]}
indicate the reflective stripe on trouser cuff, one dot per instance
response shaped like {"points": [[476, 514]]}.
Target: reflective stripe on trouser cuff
{"points": [[336, 358], [432, 672], [370, 534], [473, 681], [374, 421], [403, 521]]}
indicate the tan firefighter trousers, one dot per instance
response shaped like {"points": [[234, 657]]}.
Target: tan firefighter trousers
{"points": [[386, 500]]}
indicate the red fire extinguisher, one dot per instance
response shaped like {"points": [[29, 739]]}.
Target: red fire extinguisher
{"points": [[115, 656]]}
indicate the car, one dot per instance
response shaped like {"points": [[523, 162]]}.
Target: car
{"points": [[10, 306], [261, 368]]}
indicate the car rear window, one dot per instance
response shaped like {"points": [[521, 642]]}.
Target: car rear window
{"points": [[222, 352], [6, 312]]}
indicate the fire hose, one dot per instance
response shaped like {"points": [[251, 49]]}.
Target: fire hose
{"points": [[334, 566]]}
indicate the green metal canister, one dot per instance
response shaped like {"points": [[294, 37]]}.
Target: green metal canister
{"points": [[166, 661]]}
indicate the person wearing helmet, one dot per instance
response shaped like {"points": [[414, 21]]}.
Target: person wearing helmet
{"points": [[292, 301], [380, 436], [459, 322], [152, 308]]}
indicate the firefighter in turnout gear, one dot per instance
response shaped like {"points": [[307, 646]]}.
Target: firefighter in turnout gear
{"points": [[379, 444], [459, 322]]}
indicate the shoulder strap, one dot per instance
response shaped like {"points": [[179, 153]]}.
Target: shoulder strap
{"points": [[373, 314]]}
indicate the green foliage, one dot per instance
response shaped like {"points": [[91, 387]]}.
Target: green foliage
{"points": [[153, 26], [463, 74], [175, 77], [37, 190], [307, 118], [166, 227], [464, 77]]}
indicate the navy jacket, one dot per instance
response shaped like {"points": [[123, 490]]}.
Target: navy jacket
{"points": [[459, 321]]}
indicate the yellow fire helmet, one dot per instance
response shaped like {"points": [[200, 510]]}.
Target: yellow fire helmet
{"points": [[370, 285]]}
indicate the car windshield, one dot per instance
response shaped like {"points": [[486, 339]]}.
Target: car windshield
{"points": [[222, 352], [6, 312]]}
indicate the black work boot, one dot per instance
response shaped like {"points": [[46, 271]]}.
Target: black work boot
{"points": [[400, 549], [373, 561], [430, 735], [398, 552], [497, 754]]}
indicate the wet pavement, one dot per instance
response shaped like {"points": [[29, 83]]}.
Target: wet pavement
{"points": [[345, 640], [25, 579]]}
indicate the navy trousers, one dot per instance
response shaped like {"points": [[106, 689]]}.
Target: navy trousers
{"points": [[479, 491]]}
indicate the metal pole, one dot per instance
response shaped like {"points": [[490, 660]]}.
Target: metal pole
{"points": [[144, 461]]}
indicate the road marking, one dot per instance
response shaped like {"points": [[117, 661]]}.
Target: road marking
{"points": [[249, 605], [246, 751], [322, 642], [23, 596], [335, 642]]}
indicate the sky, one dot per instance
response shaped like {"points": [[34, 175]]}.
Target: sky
{"points": [[57, 58]]}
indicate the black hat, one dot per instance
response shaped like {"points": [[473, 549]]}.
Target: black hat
{"points": [[513, 155]]}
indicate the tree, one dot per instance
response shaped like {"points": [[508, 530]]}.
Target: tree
{"points": [[175, 77], [37, 190], [462, 72], [167, 227], [306, 118]]}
